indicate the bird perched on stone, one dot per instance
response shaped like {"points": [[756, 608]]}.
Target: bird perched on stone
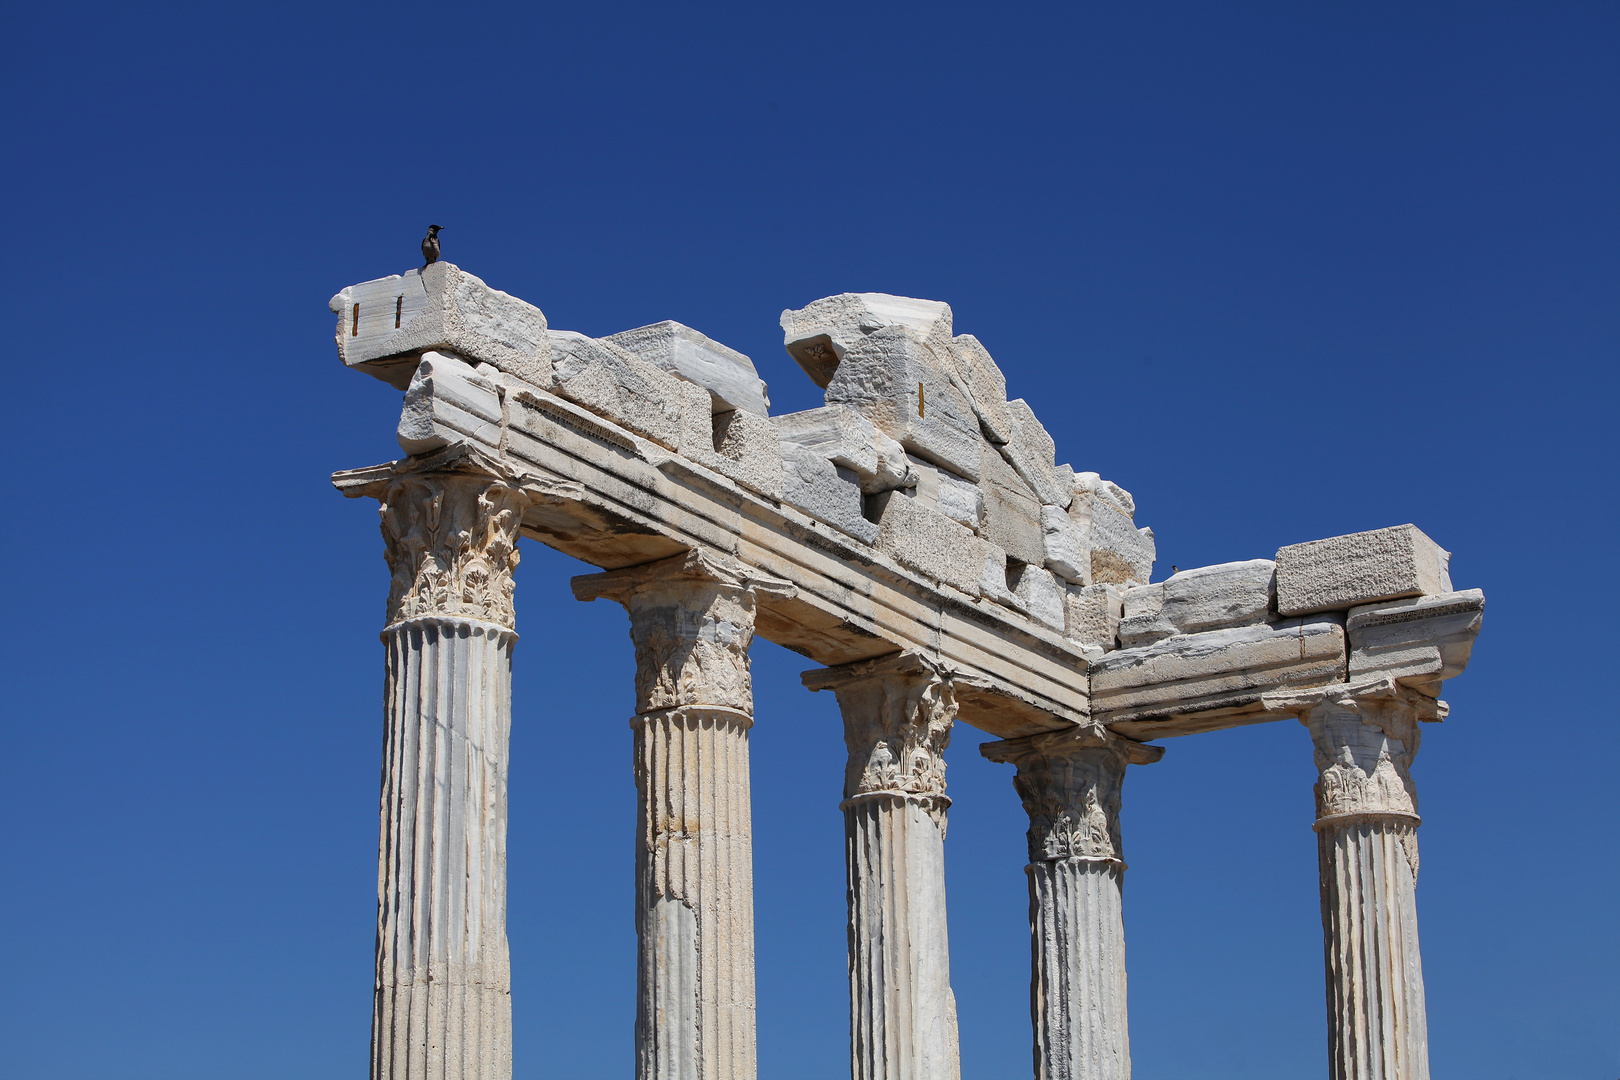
{"points": [[430, 246]]}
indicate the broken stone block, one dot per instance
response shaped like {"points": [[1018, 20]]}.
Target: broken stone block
{"points": [[986, 387], [1361, 568], [725, 373], [1219, 669], [1043, 596], [848, 439], [1032, 454], [1418, 642], [928, 542], [1143, 621], [386, 324], [1213, 597], [1067, 553], [617, 385], [1012, 516], [827, 492], [888, 376], [448, 402], [993, 579], [1104, 513], [818, 335], [1092, 614], [747, 450], [957, 498]]}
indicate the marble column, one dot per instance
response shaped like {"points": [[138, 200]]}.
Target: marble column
{"points": [[442, 1006], [1365, 736], [898, 712], [691, 620], [1070, 783]]}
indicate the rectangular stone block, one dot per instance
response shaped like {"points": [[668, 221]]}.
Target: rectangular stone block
{"points": [[1092, 614], [448, 402], [1068, 555], [929, 542], [727, 374], [827, 492], [985, 385], [1012, 516], [1042, 595], [1220, 669], [818, 335], [386, 324], [849, 440], [1419, 641], [747, 450], [956, 498], [1032, 454], [614, 384], [1361, 568]]}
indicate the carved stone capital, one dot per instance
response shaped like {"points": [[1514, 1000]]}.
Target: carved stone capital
{"points": [[1070, 784], [898, 712], [691, 620], [1365, 735]]}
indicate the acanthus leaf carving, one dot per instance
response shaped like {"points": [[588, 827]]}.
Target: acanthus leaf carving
{"points": [[451, 546]]}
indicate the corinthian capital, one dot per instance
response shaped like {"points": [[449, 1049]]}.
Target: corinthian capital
{"points": [[691, 620], [898, 712], [1069, 782]]}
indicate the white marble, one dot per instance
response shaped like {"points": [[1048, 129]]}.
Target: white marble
{"points": [[725, 373], [1360, 568]]}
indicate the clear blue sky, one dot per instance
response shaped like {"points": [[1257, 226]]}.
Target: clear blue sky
{"points": [[1282, 270]]}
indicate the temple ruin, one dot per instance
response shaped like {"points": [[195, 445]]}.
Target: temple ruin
{"points": [[916, 538]]}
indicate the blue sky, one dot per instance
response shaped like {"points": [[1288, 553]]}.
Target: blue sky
{"points": [[1283, 271]]}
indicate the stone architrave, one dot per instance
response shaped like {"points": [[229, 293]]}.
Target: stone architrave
{"points": [[691, 620], [898, 712], [1070, 784], [1365, 735], [443, 1003]]}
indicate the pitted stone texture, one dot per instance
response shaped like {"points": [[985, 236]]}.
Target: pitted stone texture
{"points": [[1217, 669], [1033, 454], [444, 308], [986, 387], [1093, 614], [1012, 513], [1042, 596], [927, 541], [725, 373], [951, 495], [1193, 601], [616, 385], [1105, 513], [891, 378], [827, 492], [818, 335], [1418, 642], [1361, 568], [448, 402], [747, 450], [691, 619]]}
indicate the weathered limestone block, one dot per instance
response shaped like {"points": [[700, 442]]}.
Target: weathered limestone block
{"points": [[1068, 555], [747, 450], [922, 538], [818, 335], [727, 374], [1217, 669], [827, 492], [385, 324], [892, 379], [1093, 614], [1105, 514], [1192, 601], [851, 441], [1012, 515], [1070, 783], [994, 579], [1042, 596], [1032, 454], [449, 402], [1417, 642], [692, 620], [898, 711], [614, 384], [1361, 568], [956, 498], [986, 387], [1365, 735]]}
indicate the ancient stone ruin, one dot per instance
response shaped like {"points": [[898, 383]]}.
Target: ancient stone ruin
{"points": [[917, 538]]}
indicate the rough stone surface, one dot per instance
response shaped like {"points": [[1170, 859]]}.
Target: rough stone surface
{"points": [[727, 374], [1032, 453], [1093, 614], [747, 450], [1043, 596], [985, 386], [1012, 515], [385, 324], [850, 441], [614, 384], [929, 542], [818, 335], [1361, 568], [1068, 552], [960, 500], [1105, 513], [827, 492], [449, 402], [1192, 601]]}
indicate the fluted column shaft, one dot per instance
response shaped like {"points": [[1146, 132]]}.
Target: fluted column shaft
{"points": [[691, 620], [442, 1008], [1365, 740], [897, 714], [1070, 783]]}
